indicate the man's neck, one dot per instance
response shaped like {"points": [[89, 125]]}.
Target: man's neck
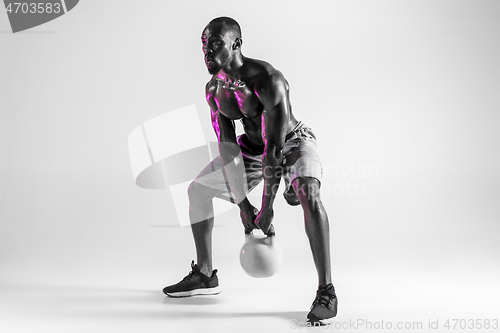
{"points": [[234, 70]]}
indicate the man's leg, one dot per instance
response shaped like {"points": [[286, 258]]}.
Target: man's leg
{"points": [[324, 307], [201, 215], [202, 280], [303, 169], [316, 225], [210, 183]]}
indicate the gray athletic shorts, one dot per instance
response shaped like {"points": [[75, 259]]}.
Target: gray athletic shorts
{"points": [[300, 159]]}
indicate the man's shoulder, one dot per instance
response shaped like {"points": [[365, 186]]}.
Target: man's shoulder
{"points": [[211, 87], [267, 76], [210, 91], [265, 71]]}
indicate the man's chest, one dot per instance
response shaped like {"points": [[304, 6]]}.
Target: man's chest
{"points": [[238, 102]]}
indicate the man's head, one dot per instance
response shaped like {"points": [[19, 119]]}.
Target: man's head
{"points": [[221, 40]]}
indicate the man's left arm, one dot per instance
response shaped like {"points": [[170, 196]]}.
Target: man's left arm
{"points": [[272, 93]]}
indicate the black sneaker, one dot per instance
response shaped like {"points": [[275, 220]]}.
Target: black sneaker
{"points": [[195, 283], [324, 307]]}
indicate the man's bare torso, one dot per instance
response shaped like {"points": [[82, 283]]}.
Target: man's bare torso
{"points": [[239, 100]]}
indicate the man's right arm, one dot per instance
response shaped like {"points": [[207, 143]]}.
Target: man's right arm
{"points": [[228, 148]]}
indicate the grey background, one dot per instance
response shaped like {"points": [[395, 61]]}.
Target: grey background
{"points": [[408, 88]]}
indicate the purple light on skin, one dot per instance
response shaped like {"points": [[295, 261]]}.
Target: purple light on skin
{"points": [[227, 95], [214, 119], [239, 98], [264, 138], [217, 102], [241, 94], [216, 126]]}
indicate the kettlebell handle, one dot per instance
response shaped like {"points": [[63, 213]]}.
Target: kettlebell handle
{"points": [[269, 234], [271, 231]]}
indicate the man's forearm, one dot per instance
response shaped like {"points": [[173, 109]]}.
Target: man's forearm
{"points": [[272, 170], [235, 172]]}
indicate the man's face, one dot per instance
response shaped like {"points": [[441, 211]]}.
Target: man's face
{"points": [[216, 48]]}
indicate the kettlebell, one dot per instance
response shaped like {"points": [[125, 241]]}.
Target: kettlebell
{"points": [[261, 256]]}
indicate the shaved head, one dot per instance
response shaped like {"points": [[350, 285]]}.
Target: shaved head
{"points": [[228, 25]]}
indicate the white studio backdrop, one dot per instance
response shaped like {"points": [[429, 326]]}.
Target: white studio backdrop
{"points": [[403, 96]]}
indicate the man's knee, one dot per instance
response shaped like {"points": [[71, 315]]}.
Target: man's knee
{"points": [[200, 193], [307, 190]]}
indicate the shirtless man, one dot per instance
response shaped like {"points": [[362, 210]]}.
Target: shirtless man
{"points": [[275, 145]]}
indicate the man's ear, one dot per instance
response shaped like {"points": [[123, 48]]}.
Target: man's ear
{"points": [[237, 44]]}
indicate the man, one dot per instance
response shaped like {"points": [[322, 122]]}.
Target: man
{"points": [[275, 145]]}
